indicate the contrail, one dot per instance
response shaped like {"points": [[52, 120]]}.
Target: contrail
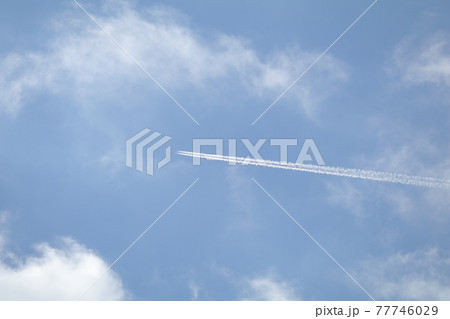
{"points": [[330, 170]]}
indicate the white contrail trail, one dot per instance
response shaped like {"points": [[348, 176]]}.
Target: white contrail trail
{"points": [[330, 170]]}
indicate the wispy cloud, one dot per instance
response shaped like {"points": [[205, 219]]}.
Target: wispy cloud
{"points": [[269, 287], [266, 285], [400, 147], [426, 62], [413, 151], [4, 215], [241, 197], [345, 194], [81, 59], [419, 275], [194, 288]]}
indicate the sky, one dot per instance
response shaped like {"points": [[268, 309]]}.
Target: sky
{"points": [[70, 98]]}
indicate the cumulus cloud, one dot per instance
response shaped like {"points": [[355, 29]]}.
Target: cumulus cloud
{"points": [[57, 274], [80, 58], [269, 287], [419, 275], [427, 62]]}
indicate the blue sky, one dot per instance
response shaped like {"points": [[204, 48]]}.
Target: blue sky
{"points": [[70, 98]]}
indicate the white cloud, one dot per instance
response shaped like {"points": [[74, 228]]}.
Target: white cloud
{"points": [[419, 275], [406, 144], [428, 62], [82, 60], [240, 192], [269, 287], [266, 286], [345, 194], [402, 149], [4, 215], [416, 153], [194, 288], [57, 274]]}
